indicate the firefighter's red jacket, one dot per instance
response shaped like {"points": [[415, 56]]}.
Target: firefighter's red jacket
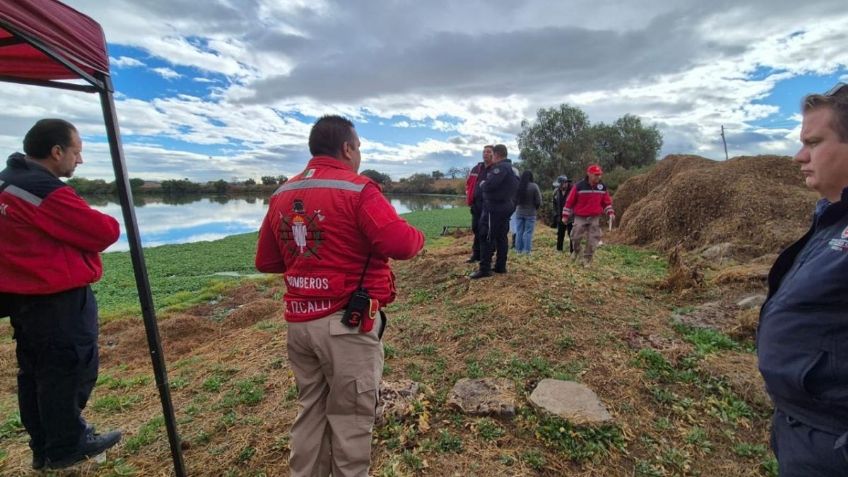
{"points": [[50, 238], [320, 228], [586, 200]]}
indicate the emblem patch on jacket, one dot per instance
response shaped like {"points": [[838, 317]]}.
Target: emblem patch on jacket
{"points": [[840, 244], [300, 231]]}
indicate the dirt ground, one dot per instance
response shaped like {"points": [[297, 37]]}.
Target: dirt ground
{"points": [[656, 332], [680, 406]]}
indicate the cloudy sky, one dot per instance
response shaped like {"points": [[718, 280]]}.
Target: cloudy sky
{"points": [[229, 88]]}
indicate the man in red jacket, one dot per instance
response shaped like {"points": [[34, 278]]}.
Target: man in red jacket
{"points": [[331, 232], [49, 256], [474, 198], [587, 201]]}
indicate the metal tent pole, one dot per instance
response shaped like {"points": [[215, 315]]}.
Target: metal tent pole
{"points": [[139, 268]]}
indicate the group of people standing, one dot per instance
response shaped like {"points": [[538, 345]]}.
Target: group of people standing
{"points": [[501, 201], [490, 191]]}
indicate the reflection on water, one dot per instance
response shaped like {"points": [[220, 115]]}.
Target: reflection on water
{"points": [[193, 218]]}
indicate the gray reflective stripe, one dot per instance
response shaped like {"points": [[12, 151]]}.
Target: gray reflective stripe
{"points": [[23, 195], [320, 184]]}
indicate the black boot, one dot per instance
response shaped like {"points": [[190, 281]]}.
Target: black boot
{"points": [[92, 445], [479, 274]]}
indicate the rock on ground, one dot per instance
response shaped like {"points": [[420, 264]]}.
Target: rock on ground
{"points": [[571, 401], [484, 397]]}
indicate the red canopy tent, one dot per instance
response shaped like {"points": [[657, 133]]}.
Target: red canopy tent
{"points": [[47, 43]]}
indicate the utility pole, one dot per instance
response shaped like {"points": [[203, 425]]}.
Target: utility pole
{"points": [[724, 140]]}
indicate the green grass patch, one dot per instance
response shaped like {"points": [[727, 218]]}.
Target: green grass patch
{"points": [[111, 382], [706, 340], [634, 262], [489, 430], [146, 435], [11, 425], [180, 275], [431, 222], [578, 442], [111, 404]]}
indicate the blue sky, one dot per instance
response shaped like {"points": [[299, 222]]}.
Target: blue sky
{"points": [[230, 90]]}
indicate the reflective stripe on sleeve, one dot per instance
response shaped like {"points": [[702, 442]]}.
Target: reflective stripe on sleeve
{"points": [[320, 184], [23, 195]]}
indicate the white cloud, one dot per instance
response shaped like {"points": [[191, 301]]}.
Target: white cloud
{"points": [[166, 73], [686, 66], [124, 62]]}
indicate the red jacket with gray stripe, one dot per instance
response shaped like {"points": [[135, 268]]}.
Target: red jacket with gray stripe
{"points": [[586, 200], [50, 238], [320, 228]]}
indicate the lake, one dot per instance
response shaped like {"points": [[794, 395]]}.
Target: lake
{"points": [[183, 219]]}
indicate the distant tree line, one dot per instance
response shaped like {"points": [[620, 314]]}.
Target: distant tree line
{"points": [[436, 182], [562, 141], [176, 186]]}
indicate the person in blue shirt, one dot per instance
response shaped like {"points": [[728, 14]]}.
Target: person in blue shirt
{"points": [[802, 339]]}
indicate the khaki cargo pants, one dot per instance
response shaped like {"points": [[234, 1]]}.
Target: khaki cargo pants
{"points": [[590, 228], [338, 372]]}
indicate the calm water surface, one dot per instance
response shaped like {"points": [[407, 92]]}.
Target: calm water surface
{"points": [[183, 219]]}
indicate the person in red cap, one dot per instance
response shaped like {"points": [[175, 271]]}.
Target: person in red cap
{"points": [[587, 201]]}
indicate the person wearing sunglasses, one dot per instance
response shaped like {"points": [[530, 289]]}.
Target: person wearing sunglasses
{"points": [[802, 340]]}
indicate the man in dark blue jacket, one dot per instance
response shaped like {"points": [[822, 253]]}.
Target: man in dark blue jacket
{"points": [[474, 197], [802, 341], [499, 190]]}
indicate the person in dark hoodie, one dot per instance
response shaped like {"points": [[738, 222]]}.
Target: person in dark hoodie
{"points": [[563, 187], [499, 190], [49, 256], [803, 330], [527, 200]]}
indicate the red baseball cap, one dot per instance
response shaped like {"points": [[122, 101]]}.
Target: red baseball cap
{"points": [[594, 169]]}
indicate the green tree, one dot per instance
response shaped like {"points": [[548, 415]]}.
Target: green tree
{"points": [[438, 175], [626, 143], [377, 177], [136, 183], [562, 141], [220, 186], [269, 180], [558, 141], [420, 182]]}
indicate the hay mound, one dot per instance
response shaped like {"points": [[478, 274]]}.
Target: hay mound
{"points": [[757, 202]]}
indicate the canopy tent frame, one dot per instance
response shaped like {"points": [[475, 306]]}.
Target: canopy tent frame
{"points": [[100, 82]]}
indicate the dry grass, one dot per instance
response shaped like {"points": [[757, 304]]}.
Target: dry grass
{"points": [[608, 327], [759, 204]]}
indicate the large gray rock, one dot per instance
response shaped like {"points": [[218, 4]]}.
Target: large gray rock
{"points": [[396, 398], [571, 401], [483, 397]]}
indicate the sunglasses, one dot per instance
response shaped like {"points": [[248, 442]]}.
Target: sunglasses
{"points": [[837, 90]]}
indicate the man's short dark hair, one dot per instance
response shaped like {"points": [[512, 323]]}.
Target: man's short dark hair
{"points": [[329, 134], [488, 146], [837, 102], [45, 134], [500, 150]]}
